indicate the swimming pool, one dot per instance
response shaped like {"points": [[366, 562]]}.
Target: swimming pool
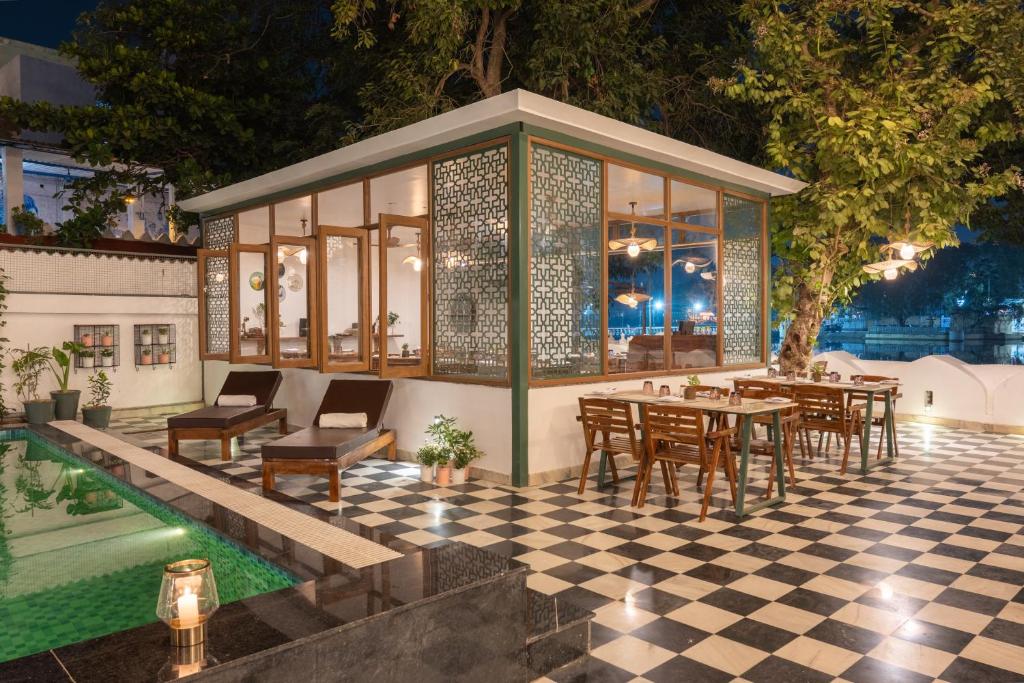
{"points": [[82, 553]]}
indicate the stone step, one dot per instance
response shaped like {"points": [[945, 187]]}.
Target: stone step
{"points": [[559, 633]]}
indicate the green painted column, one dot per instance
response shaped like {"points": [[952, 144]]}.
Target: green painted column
{"points": [[519, 306]]}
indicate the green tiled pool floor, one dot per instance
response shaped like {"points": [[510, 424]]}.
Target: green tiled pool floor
{"points": [[81, 554]]}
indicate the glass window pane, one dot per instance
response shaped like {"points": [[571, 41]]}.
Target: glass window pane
{"points": [[565, 264], [293, 301], [403, 193], [628, 185], [407, 270], [742, 270], [636, 297], [341, 207], [252, 303], [344, 299], [292, 218], [254, 226], [694, 205], [694, 300]]}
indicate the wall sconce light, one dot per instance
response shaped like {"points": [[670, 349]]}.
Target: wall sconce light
{"points": [[928, 398], [188, 597]]}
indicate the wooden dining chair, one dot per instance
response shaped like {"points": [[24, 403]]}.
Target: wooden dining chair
{"points": [[854, 397], [823, 409], [675, 436], [608, 427], [789, 420]]}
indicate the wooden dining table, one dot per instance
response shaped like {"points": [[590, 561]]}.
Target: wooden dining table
{"points": [[867, 391], [745, 414]]}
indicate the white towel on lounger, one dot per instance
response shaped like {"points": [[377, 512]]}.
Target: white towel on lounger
{"points": [[236, 400], [343, 420]]}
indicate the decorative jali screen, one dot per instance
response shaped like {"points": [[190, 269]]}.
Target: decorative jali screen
{"points": [[741, 287], [471, 264], [565, 264], [216, 294], [219, 233]]}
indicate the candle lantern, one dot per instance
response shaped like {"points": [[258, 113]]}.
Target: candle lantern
{"points": [[188, 597]]}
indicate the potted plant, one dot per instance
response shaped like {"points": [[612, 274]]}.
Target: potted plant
{"points": [[455, 448], [165, 356], [87, 359], [107, 358], [146, 336], [87, 339], [163, 336], [107, 339], [692, 382], [427, 457], [392, 319], [817, 370], [29, 367], [60, 365], [146, 356], [405, 350], [96, 413]]}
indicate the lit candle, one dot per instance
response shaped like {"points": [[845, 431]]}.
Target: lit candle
{"points": [[188, 608]]}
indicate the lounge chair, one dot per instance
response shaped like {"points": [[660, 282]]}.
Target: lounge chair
{"points": [[224, 422], [324, 450]]}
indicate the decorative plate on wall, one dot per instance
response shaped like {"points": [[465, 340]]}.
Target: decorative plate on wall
{"points": [[294, 282], [280, 270], [256, 281], [280, 292]]}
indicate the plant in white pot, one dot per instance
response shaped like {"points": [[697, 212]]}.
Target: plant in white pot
{"points": [[427, 457], [107, 358], [457, 447], [96, 413], [163, 336], [29, 366], [87, 359], [146, 336]]}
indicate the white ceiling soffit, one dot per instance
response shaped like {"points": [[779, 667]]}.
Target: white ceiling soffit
{"points": [[511, 107]]}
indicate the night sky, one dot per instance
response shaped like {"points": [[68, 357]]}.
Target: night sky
{"points": [[42, 22]]}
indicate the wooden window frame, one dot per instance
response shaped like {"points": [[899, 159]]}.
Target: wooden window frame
{"points": [[201, 257], [311, 304], [234, 294], [362, 235], [423, 369], [669, 224]]}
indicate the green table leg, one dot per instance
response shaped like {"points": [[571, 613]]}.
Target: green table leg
{"points": [[888, 424], [780, 460], [746, 423]]}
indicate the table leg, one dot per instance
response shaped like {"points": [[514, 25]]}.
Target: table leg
{"points": [[746, 421], [888, 425], [865, 441]]}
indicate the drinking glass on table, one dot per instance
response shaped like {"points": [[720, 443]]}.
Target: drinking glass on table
{"points": [[648, 387], [664, 390]]}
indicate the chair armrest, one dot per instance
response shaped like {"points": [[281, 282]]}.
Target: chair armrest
{"points": [[730, 431]]}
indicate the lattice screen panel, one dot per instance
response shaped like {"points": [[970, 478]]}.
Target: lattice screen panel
{"points": [[565, 264], [471, 264], [219, 233], [217, 314], [742, 267]]}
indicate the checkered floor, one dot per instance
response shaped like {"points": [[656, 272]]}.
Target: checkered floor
{"points": [[145, 423], [912, 573]]}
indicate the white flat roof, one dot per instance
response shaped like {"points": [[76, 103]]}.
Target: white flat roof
{"points": [[511, 107]]}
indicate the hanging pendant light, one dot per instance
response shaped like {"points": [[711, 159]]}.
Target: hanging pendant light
{"points": [[633, 244], [890, 269], [905, 249], [691, 264], [414, 260]]}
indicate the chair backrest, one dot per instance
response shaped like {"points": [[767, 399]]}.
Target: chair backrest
{"points": [[879, 397], [604, 417], [263, 384], [820, 403], [879, 378], [673, 424], [758, 393], [368, 396], [774, 388]]}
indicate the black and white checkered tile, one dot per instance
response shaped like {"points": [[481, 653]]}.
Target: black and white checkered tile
{"points": [[911, 573]]}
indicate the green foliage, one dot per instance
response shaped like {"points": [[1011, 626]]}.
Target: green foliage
{"points": [[206, 92], [3, 340], [27, 223], [448, 444], [99, 389], [887, 109], [29, 365], [59, 362], [392, 318], [693, 380], [431, 56], [85, 226]]}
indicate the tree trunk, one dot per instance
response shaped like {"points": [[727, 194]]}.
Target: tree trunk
{"points": [[798, 346]]}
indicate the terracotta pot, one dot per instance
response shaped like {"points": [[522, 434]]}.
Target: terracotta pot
{"points": [[164, 358], [147, 359], [107, 340], [444, 475], [86, 340], [690, 393]]}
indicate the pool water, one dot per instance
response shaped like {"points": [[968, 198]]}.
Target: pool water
{"points": [[82, 553]]}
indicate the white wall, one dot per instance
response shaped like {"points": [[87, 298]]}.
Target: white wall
{"points": [[49, 320], [414, 403], [978, 396]]}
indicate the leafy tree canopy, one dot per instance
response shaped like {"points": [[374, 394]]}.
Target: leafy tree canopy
{"points": [[886, 108]]}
